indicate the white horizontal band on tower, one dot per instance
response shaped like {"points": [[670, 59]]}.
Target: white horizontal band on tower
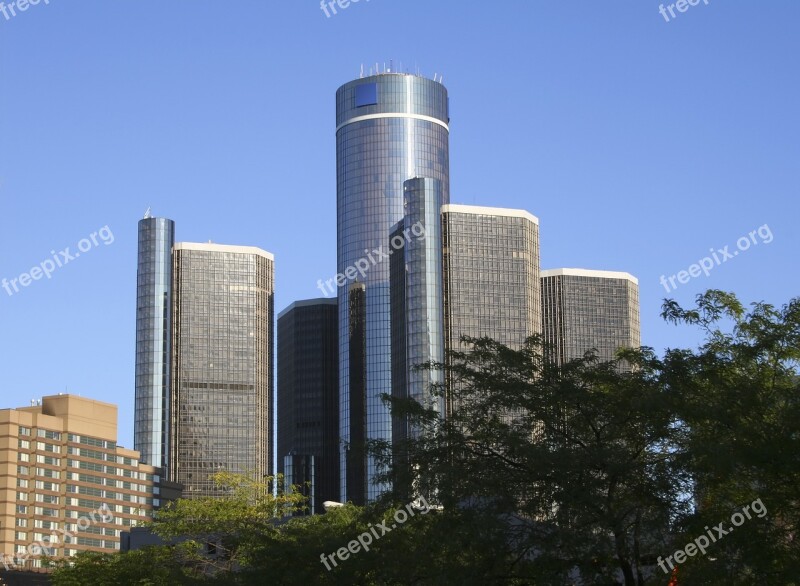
{"points": [[393, 115]]}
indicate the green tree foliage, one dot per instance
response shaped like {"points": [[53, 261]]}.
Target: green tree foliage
{"points": [[152, 566], [572, 463], [738, 400], [587, 473]]}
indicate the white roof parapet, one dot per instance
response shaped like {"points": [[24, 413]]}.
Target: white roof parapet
{"points": [[211, 247], [589, 273], [481, 210]]}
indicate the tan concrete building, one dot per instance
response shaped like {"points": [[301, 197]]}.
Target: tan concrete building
{"points": [[65, 485]]}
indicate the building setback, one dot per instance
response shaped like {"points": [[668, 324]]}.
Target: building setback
{"points": [[585, 309], [65, 484], [222, 383], [308, 399], [390, 127]]}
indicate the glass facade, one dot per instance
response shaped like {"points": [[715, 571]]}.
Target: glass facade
{"points": [[584, 309], [153, 328], [402, 135], [308, 397], [491, 274], [299, 471], [222, 391], [416, 297]]}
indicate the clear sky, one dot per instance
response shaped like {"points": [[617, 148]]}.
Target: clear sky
{"points": [[639, 143]]}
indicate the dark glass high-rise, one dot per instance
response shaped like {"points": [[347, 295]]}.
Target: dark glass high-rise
{"points": [[308, 399]]}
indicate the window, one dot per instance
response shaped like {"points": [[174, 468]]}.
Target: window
{"points": [[43, 447], [22, 522], [24, 430], [22, 483], [24, 444], [53, 435], [48, 460], [366, 94]]}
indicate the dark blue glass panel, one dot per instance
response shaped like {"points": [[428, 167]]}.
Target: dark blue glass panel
{"points": [[366, 94]]}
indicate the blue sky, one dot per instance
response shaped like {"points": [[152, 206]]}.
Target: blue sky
{"points": [[639, 143]]}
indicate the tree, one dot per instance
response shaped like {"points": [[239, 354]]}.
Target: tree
{"points": [[576, 474], [738, 401], [599, 472], [575, 461], [152, 566]]}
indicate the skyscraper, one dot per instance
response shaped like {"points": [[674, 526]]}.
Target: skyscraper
{"points": [[389, 128], [308, 398], [491, 274], [153, 334], [416, 298], [222, 383], [585, 309]]}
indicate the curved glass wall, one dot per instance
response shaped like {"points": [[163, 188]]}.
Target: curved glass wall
{"points": [[390, 128], [153, 330]]}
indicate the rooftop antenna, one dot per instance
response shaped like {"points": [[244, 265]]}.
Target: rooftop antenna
{"points": [[434, 77], [391, 65], [362, 71], [147, 213]]}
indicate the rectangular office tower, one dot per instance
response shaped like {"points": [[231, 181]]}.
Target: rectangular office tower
{"points": [[308, 399], [66, 486], [153, 333], [222, 346], [585, 309], [416, 299], [491, 274], [390, 127]]}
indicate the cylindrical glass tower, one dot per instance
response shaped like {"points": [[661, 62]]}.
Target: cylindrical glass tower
{"points": [[153, 333], [389, 128]]}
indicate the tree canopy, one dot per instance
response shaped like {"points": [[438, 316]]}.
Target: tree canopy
{"points": [[588, 472]]}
